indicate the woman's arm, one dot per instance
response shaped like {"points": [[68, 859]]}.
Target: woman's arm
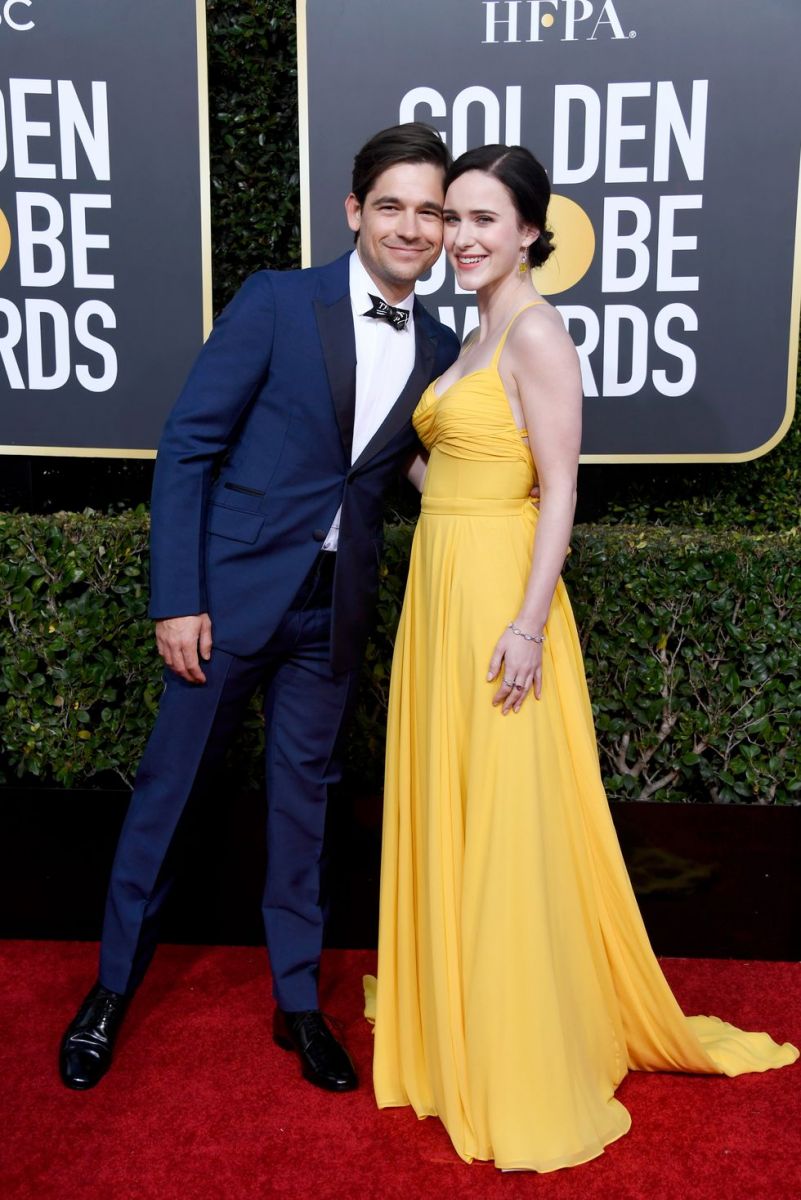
{"points": [[542, 363], [415, 469]]}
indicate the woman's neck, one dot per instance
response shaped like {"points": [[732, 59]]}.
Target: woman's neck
{"points": [[499, 301]]}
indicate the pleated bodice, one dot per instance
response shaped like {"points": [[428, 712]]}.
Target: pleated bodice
{"points": [[476, 450]]}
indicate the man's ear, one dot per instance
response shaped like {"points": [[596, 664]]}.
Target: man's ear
{"points": [[353, 211]]}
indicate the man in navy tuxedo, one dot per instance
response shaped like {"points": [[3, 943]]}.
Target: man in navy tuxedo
{"points": [[266, 539]]}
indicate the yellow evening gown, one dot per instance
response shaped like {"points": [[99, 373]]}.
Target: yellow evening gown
{"points": [[516, 984]]}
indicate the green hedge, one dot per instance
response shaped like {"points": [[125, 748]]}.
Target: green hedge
{"points": [[692, 642], [253, 134]]}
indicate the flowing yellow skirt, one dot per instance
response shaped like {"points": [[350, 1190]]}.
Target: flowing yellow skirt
{"points": [[516, 983]]}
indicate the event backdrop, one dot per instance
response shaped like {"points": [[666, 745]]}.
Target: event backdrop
{"points": [[104, 238], [670, 132]]}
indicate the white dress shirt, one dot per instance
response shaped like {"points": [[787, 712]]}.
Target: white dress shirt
{"points": [[384, 361]]}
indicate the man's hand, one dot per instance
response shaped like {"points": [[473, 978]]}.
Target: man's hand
{"points": [[179, 639]]}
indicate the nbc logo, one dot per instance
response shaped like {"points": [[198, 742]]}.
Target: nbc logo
{"points": [[11, 16]]}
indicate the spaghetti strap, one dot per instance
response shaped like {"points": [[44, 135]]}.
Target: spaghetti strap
{"points": [[502, 341]]}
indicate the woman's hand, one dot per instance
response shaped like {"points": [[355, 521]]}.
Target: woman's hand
{"points": [[520, 665]]}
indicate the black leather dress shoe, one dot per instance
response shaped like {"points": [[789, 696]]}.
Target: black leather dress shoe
{"points": [[88, 1044], [323, 1061]]}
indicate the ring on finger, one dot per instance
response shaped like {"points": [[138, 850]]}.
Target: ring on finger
{"points": [[509, 682], [520, 686]]}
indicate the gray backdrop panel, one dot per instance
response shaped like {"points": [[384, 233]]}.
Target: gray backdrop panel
{"points": [[147, 53], [364, 57]]}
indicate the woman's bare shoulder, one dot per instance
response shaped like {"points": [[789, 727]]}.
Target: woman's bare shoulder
{"points": [[540, 332]]}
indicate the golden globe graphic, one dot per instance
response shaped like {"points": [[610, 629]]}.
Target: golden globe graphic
{"points": [[5, 239], [574, 239]]}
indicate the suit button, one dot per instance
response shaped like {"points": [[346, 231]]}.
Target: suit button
{"points": [[319, 535]]}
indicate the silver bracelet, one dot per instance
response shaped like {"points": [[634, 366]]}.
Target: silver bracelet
{"points": [[529, 637]]}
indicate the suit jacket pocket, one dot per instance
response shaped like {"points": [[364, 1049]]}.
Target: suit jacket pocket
{"points": [[242, 490], [235, 495], [233, 523]]}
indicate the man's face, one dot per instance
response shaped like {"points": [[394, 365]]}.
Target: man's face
{"points": [[399, 226]]}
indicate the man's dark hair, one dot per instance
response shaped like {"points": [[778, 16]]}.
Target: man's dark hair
{"points": [[526, 181], [414, 142]]}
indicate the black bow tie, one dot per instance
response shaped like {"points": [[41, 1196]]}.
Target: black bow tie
{"points": [[397, 317]]}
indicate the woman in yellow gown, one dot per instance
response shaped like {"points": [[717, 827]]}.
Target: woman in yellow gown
{"points": [[516, 984]]}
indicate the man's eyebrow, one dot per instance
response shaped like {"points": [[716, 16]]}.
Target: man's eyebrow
{"points": [[435, 204]]}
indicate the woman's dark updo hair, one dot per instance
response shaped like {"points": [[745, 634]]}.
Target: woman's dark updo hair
{"points": [[525, 180]]}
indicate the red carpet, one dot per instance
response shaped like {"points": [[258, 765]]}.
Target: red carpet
{"points": [[201, 1106]]}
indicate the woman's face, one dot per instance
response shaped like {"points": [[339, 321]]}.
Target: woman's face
{"points": [[483, 234]]}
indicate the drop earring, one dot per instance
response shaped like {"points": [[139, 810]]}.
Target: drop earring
{"points": [[523, 267]]}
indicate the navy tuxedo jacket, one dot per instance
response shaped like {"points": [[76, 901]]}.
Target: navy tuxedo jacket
{"points": [[255, 460]]}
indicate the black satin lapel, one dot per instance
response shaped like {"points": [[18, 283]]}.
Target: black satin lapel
{"points": [[335, 326], [406, 403]]}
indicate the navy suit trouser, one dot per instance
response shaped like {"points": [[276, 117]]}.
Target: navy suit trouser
{"points": [[305, 706]]}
